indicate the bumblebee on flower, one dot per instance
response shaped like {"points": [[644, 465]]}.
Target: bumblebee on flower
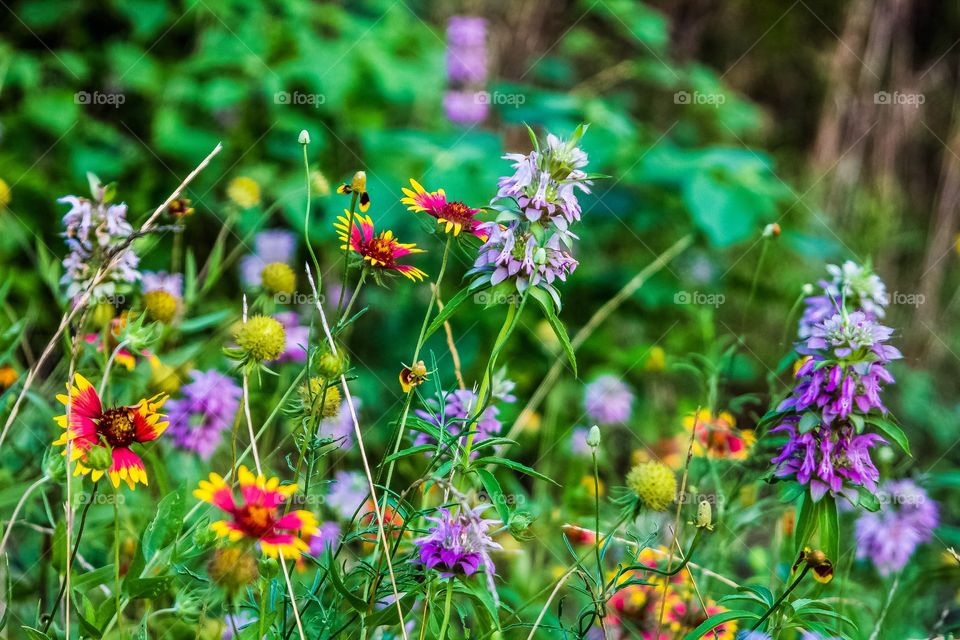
{"points": [[94, 430], [452, 215], [357, 186], [259, 516], [379, 252]]}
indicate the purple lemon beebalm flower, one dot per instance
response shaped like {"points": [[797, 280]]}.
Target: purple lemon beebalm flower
{"points": [[511, 254], [851, 285], [907, 518], [846, 368], [347, 493], [466, 50], [827, 459], [545, 182], [172, 283], [454, 414], [274, 245], [608, 400], [458, 544], [206, 409]]}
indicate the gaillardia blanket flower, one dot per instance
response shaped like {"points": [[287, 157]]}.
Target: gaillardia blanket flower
{"points": [[452, 215], [259, 516], [378, 251], [117, 428]]}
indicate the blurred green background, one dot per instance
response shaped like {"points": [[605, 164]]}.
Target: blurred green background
{"points": [[836, 120]]}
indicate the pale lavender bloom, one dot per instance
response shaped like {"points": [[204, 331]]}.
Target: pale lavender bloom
{"points": [[458, 544], [753, 635], [545, 183], [172, 283], [94, 232], [326, 536], [466, 50], [207, 408], [906, 520], [608, 400], [513, 254], [851, 285], [347, 493], [297, 337], [273, 245], [466, 107], [811, 635]]}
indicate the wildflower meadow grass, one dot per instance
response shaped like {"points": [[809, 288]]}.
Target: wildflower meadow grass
{"points": [[480, 416]]}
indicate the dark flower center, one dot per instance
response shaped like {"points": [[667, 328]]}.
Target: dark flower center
{"points": [[458, 213], [116, 427], [381, 249], [255, 519]]}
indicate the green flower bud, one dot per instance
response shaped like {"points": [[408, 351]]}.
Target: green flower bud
{"points": [[593, 438], [519, 524], [330, 365], [268, 567], [99, 458]]}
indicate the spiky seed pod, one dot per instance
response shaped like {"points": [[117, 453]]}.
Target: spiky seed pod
{"points": [[318, 403], [654, 483], [278, 277], [161, 305], [261, 338]]}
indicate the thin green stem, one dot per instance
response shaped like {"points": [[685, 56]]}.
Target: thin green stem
{"points": [[116, 557], [780, 600], [596, 513], [416, 355], [756, 276], [485, 383], [346, 253], [446, 610], [73, 556], [306, 218], [356, 294]]}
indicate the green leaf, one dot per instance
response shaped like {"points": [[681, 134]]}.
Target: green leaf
{"points": [[448, 310], [717, 620], [550, 313], [358, 604], [806, 520], [409, 451], [202, 322], [148, 587], [516, 466], [165, 526], [829, 526], [35, 634], [892, 431], [869, 501], [492, 486], [808, 422]]}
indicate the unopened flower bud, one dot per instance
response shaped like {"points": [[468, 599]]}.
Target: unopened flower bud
{"points": [[705, 516], [99, 458], [304, 137], [359, 182], [540, 257], [204, 538], [593, 437], [268, 567], [771, 230], [520, 522], [331, 365], [807, 289]]}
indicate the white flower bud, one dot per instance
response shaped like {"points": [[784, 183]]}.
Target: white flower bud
{"points": [[304, 137], [593, 438]]}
